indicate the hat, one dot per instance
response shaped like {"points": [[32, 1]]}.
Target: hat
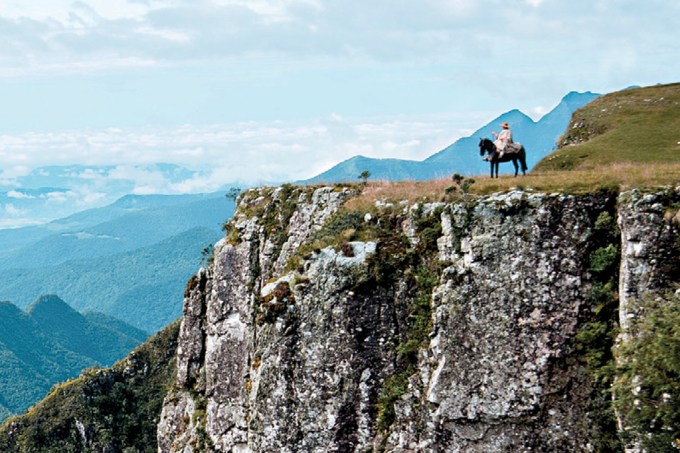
{"points": [[505, 125]]}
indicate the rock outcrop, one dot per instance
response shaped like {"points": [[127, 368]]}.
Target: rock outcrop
{"points": [[438, 327]]}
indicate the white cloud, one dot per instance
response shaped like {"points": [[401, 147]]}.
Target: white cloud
{"points": [[247, 152], [59, 197], [537, 112], [57, 33], [15, 222], [98, 33], [61, 9], [11, 210], [19, 195]]}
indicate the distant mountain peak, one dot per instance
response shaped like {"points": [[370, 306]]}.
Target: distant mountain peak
{"points": [[8, 308], [512, 116], [48, 303], [50, 309], [579, 98]]}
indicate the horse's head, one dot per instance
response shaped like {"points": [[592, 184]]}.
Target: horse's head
{"points": [[484, 146]]}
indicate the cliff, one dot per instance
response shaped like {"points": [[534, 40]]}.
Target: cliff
{"points": [[462, 326]]}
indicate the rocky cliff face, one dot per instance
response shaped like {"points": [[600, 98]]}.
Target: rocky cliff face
{"points": [[438, 327]]}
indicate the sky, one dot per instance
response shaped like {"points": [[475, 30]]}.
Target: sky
{"points": [[257, 91]]}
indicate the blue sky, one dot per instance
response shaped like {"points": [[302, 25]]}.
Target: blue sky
{"points": [[274, 90]]}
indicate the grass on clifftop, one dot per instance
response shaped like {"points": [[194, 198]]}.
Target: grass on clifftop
{"points": [[617, 176]]}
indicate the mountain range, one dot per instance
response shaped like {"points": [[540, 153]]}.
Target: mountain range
{"points": [[122, 267], [50, 342], [538, 137], [128, 259]]}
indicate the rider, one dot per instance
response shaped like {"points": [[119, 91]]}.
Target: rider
{"points": [[503, 138]]}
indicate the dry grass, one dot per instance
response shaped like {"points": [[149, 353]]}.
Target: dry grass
{"points": [[623, 176], [411, 191]]}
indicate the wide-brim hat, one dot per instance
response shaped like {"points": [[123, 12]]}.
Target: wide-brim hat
{"points": [[505, 125]]}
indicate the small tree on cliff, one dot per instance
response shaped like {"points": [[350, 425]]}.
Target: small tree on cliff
{"points": [[364, 176], [462, 184]]}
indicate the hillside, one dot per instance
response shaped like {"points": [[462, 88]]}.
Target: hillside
{"points": [[112, 410], [480, 324], [143, 287], [637, 126], [49, 343], [77, 333], [417, 325]]}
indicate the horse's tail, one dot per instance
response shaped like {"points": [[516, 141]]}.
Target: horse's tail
{"points": [[523, 160]]}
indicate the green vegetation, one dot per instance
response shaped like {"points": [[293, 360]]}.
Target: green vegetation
{"points": [[76, 333], [278, 213], [233, 193], [342, 227], [647, 388], [364, 176], [397, 259], [51, 342], [274, 208], [595, 339], [202, 442], [637, 126], [143, 287], [462, 184], [114, 409]]}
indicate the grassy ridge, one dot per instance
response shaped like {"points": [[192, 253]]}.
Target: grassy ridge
{"points": [[635, 126]]}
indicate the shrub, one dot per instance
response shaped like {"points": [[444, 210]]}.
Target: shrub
{"points": [[647, 390]]}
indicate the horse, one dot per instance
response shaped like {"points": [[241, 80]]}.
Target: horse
{"points": [[487, 146]]}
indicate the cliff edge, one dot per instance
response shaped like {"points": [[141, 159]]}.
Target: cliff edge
{"points": [[462, 326]]}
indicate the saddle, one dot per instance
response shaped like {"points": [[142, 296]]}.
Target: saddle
{"points": [[513, 148]]}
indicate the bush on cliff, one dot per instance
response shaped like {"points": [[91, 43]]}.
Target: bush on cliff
{"points": [[647, 390]]}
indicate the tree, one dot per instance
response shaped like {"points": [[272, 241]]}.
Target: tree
{"points": [[463, 184], [364, 176], [233, 193]]}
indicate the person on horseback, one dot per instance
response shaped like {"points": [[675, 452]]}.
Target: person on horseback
{"points": [[503, 139]]}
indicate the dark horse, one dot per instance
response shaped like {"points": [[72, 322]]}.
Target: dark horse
{"points": [[487, 146]]}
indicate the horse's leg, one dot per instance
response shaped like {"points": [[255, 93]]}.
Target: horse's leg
{"points": [[491, 168], [523, 160], [514, 162]]}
